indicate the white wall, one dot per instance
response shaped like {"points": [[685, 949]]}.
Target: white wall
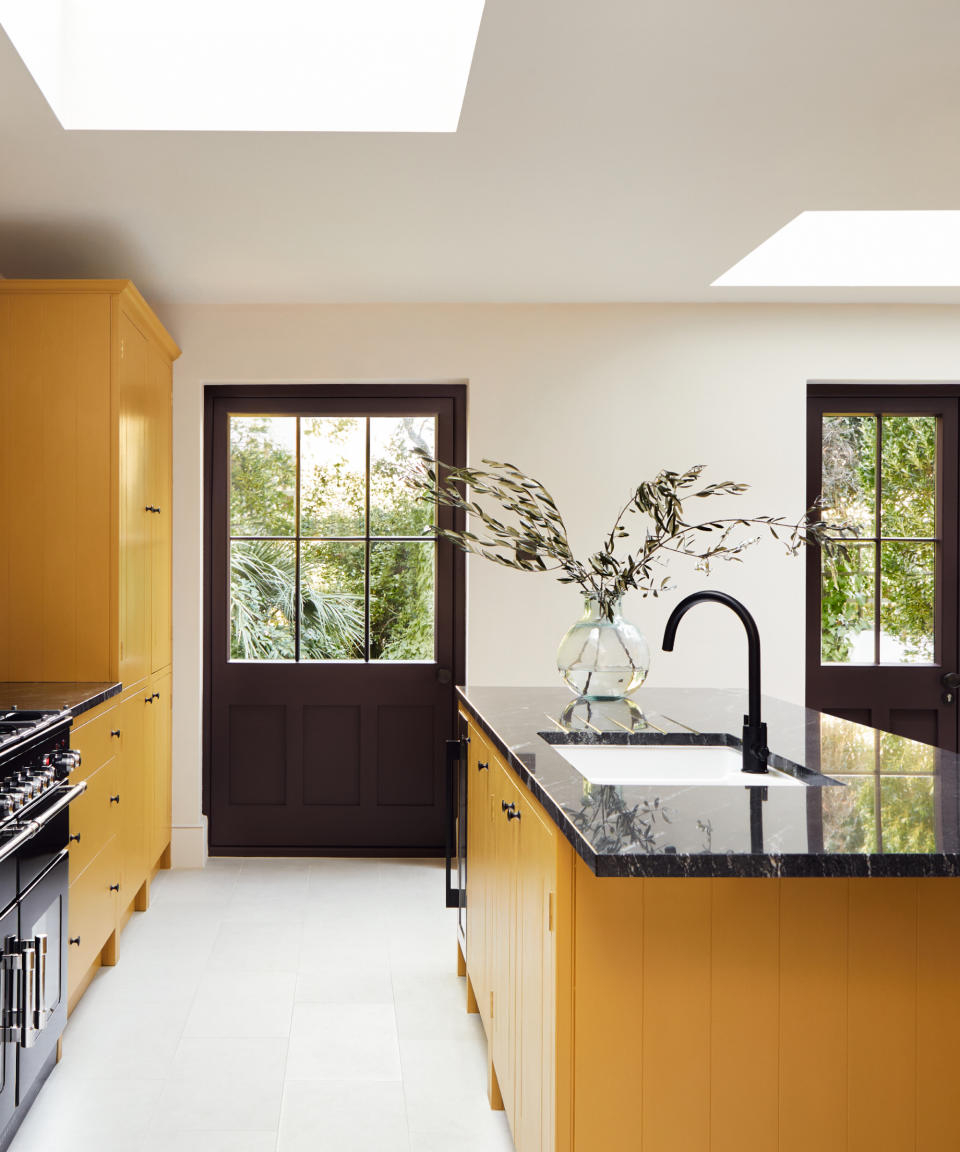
{"points": [[591, 399]]}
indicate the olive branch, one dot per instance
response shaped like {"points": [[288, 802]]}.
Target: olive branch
{"points": [[537, 541]]}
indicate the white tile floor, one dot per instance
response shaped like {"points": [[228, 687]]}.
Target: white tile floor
{"points": [[277, 1006]]}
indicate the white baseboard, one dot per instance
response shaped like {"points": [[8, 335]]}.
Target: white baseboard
{"points": [[188, 846]]}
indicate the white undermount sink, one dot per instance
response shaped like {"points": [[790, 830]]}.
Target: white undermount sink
{"points": [[668, 765]]}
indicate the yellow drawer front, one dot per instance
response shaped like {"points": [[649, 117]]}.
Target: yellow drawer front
{"points": [[92, 912], [94, 740], [95, 817]]}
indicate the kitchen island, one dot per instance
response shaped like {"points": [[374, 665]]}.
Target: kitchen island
{"points": [[767, 965]]}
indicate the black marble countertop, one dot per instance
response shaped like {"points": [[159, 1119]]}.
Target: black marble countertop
{"points": [[55, 695], [868, 803]]}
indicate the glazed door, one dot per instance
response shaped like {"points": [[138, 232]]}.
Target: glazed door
{"points": [[335, 621], [882, 621]]}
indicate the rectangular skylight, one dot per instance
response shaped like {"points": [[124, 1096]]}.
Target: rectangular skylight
{"points": [[908, 249], [275, 66]]}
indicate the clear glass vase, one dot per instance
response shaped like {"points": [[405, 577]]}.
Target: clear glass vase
{"points": [[600, 658]]}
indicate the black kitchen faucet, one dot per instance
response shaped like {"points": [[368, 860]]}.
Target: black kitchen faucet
{"points": [[755, 750]]}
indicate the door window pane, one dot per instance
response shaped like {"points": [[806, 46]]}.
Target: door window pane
{"points": [[402, 582], [907, 579], [847, 606], [849, 470], [263, 583], [394, 507], [908, 486], [897, 754], [907, 817], [263, 475], [332, 609], [333, 493], [849, 814]]}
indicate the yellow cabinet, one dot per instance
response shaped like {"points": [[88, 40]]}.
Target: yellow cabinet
{"points": [[512, 873], [85, 462]]}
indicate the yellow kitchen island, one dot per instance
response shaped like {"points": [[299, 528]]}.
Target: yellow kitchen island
{"points": [[679, 966]]}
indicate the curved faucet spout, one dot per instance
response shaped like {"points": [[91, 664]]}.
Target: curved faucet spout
{"points": [[755, 751]]}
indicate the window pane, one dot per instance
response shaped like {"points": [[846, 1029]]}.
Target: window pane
{"points": [[394, 508], [263, 475], [907, 579], [897, 754], [401, 601], [907, 814], [846, 748], [262, 596], [847, 606], [849, 817], [331, 589], [849, 471], [908, 476], [333, 452]]}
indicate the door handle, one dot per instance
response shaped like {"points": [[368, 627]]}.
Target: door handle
{"points": [[951, 682]]}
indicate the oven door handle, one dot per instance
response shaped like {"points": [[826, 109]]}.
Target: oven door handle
{"points": [[30, 829], [58, 806]]}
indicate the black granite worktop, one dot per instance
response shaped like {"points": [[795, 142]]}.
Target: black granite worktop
{"points": [[53, 695], [868, 804]]}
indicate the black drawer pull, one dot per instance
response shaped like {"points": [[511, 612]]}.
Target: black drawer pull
{"points": [[482, 764], [505, 807], [115, 732], [74, 940], [115, 799], [74, 836], [513, 815], [114, 887]]}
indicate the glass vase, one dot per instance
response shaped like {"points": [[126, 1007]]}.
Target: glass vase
{"points": [[601, 658]]}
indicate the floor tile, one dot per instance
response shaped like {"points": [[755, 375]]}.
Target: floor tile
{"points": [[344, 985], [239, 1060], [343, 1042], [242, 1004], [343, 1117], [214, 1103]]}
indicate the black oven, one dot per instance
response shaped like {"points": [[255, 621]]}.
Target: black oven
{"points": [[35, 795]]}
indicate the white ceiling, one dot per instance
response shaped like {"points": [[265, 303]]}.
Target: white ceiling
{"points": [[617, 150]]}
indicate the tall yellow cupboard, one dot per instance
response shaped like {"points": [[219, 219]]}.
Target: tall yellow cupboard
{"points": [[85, 572]]}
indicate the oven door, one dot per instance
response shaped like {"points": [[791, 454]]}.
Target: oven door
{"points": [[43, 927], [8, 1048]]}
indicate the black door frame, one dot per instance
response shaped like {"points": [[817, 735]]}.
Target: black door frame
{"points": [[455, 390], [900, 395]]}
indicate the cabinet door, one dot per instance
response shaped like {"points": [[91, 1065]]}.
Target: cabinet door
{"points": [[135, 525], [479, 879], [536, 977], [160, 760], [502, 930], [135, 722], [159, 497]]}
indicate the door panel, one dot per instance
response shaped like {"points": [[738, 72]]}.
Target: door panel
{"points": [[335, 624], [882, 621], [135, 527]]}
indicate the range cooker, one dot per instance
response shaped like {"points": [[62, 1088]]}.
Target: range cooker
{"points": [[35, 794]]}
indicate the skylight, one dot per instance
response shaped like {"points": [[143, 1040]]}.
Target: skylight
{"points": [[237, 65], [855, 250]]}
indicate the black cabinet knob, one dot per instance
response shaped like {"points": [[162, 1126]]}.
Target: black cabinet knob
{"points": [[114, 887], [74, 836], [483, 764], [115, 799], [115, 732], [74, 940], [505, 807], [513, 815]]}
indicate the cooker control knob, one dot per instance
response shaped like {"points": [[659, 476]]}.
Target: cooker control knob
{"points": [[7, 805], [65, 762]]}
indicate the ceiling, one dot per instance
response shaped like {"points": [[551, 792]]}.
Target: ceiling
{"points": [[622, 150]]}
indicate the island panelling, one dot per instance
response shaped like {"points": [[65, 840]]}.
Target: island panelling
{"points": [[703, 1014], [85, 474]]}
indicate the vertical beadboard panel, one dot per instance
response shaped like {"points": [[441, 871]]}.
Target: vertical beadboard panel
{"points": [[675, 1103], [938, 1014], [745, 1003], [609, 1015], [813, 1015], [881, 1015]]}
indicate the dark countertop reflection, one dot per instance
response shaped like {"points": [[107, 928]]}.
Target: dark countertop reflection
{"points": [[869, 804], [42, 696]]}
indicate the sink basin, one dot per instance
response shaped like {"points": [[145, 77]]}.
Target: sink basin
{"points": [[668, 765]]}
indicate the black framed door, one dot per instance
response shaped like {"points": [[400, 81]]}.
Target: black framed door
{"points": [[882, 623], [334, 619]]}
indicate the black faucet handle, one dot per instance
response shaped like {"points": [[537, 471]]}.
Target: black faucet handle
{"points": [[755, 750]]}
